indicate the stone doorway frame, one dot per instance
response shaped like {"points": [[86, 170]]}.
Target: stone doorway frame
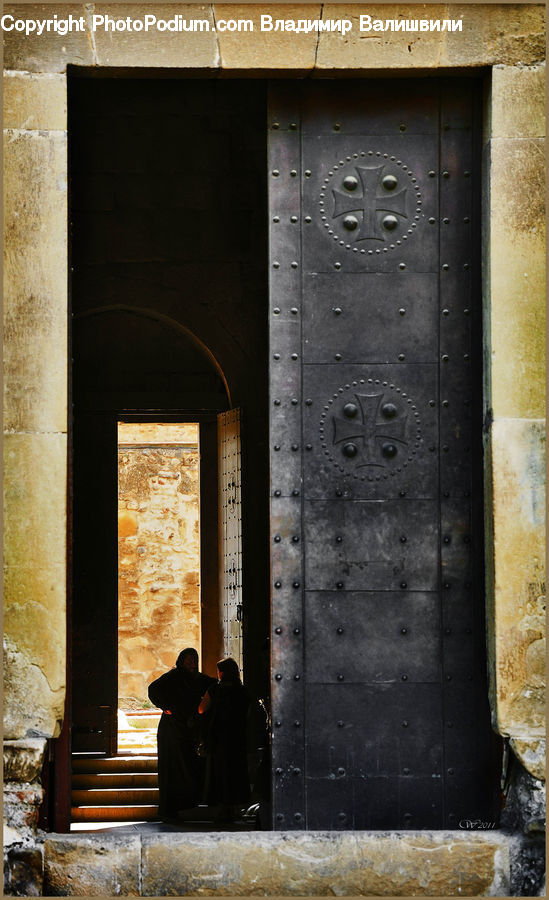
{"points": [[505, 42]]}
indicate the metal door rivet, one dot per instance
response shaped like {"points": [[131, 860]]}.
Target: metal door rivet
{"points": [[277, 402], [339, 539], [403, 539], [432, 221], [467, 173], [404, 631], [446, 494], [389, 182], [278, 630], [278, 584], [276, 355], [337, 311], [277, 538], [445, 448], [278, 771], [297, 771], [339, 585], [293, 126], [446, 539], [402, 493], [350, 223], [276, 218], [277, 493], [405, 724], [466, 220], [341, 771], [342, 816], [350, 183], [337, 356], [406, 771], [339, 630], [293, 264], [445, 357], [465, 265], [407, 816], [297, 631], [293, 401], [445, 174], [404, 584], [446, 221], [276, 265], [278, 676], [297, 724], [308, 402], [279, 817], [296, 584], [308, 446], [402, 265], [293, 219], [337, 265], [389, 450], [276, 125], [402, 127], [337, 126], [297, 677], [465, 356], [308, 220], [445, 404], [402, 312], [295, 493], [340, 677], [432, 403], [294, 356], [445, 267], [389, 222], [295, 538], [308, 173], [432, 174], [276, 447], [293, 173], [294, 310], [389, 410], [276, 172], [447, 585], [295, 447], [340, 724], [297, 817], [450, 771], [350, 450]]}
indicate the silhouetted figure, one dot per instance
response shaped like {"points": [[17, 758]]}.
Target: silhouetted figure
{"points": [[180, 770], [226, 706]]}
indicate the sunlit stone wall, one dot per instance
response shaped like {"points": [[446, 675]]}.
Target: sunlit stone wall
{"points": [[158, 553]]}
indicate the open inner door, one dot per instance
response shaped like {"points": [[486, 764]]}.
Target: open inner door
{"points": [[230, 532]]}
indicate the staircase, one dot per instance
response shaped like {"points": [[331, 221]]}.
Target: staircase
{"points": [[121, 788], [114, 789]]}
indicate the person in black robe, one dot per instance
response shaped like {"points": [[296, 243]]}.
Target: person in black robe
{"points": [[225, 708], [180, 770]]}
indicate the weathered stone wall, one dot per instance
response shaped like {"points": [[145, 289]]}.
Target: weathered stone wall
{"points": [[515, 404], [158, 554]]}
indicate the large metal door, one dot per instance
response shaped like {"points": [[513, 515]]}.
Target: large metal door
{"points": [[380, 713]]}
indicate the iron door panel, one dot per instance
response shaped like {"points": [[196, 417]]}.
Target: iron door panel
{"points": [[371, 319], [372, 637], [383, 730], [367, 226], [344, 107], [383, 443], [371, 555]]}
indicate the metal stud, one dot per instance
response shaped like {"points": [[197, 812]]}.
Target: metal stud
{"points": [[296, 584], [278, 676], [297, 631], [350, 450], [277, 538], [403, 539], [276, 173], [350, 183], [293, 173], [297, 724], [278, 493], [278, 771], [294, 356], [278, 630], [339, 630], [297, 817], [388, 450], [404, 631], [341, 677], [389, 182], [337, 357], [350, 223], [404, 585], [296, 772], [402, 312], [278, 585], [339, 585], [308, 220], [389, 222], [337, 311], [404, 678], [295, 538], [279, 817], [295, 493], [340, 723], [297, 677], [405, 724]]}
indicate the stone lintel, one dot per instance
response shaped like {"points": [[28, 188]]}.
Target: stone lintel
{"points": [[35, 102], [509, 34], [23, 759]]}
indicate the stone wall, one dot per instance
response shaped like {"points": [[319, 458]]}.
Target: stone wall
{"points": [[158, 553]]}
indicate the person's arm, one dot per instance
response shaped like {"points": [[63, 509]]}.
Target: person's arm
{"points": [[205, 703]]}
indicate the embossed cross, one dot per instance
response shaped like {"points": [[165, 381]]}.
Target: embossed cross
{"points": [[361, 424], [371, 202]]}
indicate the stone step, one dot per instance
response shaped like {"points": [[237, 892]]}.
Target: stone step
{"points": [[114, 813], [135, 763], [115, 797], [115, 779]]}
